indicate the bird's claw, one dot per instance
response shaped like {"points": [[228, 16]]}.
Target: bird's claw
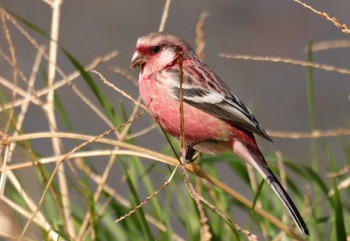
{"points": [[188, 156]]}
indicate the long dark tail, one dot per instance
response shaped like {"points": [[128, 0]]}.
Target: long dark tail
{"points": [[277, 187], [251, 153]]}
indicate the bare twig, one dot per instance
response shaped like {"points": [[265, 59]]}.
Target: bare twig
{"points": [[325, 15], [38, 219], [164, 16], [286, 61], [200, 40], [117, 89], [155, 193], [93, 153], [50, 113], [10, 149], [74, 136], [14, 238], [15, 68], [141, 132], [341, 185], [340, 172], [125, 73], [330, 44], [181, 109], [20, 91], [313, 134], [205, 230]]}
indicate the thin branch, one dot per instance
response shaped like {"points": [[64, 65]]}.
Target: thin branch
{"points": [[286, 61], [164, 16], [82, 154], [200, 40], [29, 202], [325, 15], [10, 148], [15, 68], [155, 193], [38, 220], [330, 44], [340, 172], [313, 134], [14, 238], [109, 84], [50, 113], [181, 109], [141, 132], [205, 230], [73, 136], [125, 73], [341, 185], [18, 90]]}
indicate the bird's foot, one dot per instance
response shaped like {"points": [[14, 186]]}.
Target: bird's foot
{"points": [[189, 155]]}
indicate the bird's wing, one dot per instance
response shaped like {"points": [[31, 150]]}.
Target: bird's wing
{"points": [[220, 103]]}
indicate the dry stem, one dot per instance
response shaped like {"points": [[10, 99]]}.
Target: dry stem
{"points": [[286, 61], [325, 15]]}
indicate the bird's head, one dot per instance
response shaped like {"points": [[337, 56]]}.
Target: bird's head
{"points": [[158, 50]]}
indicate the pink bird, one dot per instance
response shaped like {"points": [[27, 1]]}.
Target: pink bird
{"points": [[215, 120]]}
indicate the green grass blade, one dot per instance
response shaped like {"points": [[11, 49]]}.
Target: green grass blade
{"points": [[30, 25], [58, 104], [313, 151], [157, 209], [338, 207], [310, 87], [257, 195], [122, 230], [309, 174], [105, 103], [135, 200], [311, 104], [319, 182], [63, 114]]}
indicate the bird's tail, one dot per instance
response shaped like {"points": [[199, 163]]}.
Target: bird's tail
{"points": [[282, 194], [256, 159]]}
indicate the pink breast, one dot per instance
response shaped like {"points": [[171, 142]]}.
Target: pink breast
{"points": [[199, 126]]}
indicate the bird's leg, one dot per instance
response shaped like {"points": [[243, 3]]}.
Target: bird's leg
{"points": [[189, 155]]}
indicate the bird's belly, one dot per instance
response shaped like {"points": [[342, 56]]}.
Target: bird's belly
{"points": [[199, 126]]}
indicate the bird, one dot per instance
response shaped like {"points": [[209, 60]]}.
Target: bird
{"points": [[215, 120]]}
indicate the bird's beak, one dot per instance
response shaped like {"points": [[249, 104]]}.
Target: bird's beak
{"points": [[137, 60]]}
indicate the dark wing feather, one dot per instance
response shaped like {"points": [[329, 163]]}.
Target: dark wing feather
{"points": [[228, 108], [219, 111]]}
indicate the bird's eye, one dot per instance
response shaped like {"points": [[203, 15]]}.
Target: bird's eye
{"points": [[155, 49]]}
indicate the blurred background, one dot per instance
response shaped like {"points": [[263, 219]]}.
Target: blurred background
{"points": [[275, 92]]}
